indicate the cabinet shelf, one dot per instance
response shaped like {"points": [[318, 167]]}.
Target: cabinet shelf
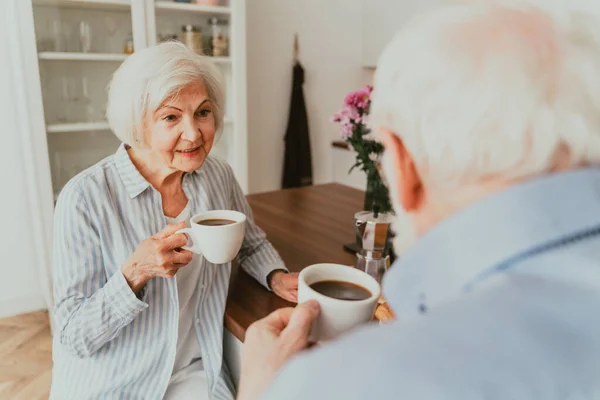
{"points": [[196, 8], [60, 56], [78, 127], [115, 5], [221, 60]]}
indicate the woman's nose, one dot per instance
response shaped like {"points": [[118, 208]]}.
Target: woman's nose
{"points": [[191, 132]]}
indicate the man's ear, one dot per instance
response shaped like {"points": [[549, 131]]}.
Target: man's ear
{"points": [[407, 180]]}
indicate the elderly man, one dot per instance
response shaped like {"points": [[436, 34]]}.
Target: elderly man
{"points": [[491, 120]]}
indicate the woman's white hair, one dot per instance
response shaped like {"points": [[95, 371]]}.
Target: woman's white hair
{"points": [[150, 76], [483, 90]]}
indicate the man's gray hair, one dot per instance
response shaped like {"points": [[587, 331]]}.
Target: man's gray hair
{"points": [[486, 89]]}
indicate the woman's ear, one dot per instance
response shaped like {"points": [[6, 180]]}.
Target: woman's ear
{"points": [[406, 177]]}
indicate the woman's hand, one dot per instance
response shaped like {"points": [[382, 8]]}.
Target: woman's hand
{"points": [[158, 256], [284, 285]]}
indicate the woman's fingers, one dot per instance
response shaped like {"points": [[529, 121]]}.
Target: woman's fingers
{"points": [[291, 281], [171, 261], [182, 257], [170, 270], [174, 241], [293, 296], [169, 230]]}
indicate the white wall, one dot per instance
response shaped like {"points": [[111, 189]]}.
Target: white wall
{"points": [[330, 50], [19, 286], [26, 196], [382, 19]]}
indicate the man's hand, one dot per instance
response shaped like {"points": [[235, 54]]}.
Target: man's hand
{"points": [[270, 342]]}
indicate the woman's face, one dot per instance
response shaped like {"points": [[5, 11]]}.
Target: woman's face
{"points": [[181, 131]]}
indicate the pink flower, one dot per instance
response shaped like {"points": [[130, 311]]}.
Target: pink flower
{"points": [[359, 99], [354, 111], [365, 119], [353, 114], [346, 131]]}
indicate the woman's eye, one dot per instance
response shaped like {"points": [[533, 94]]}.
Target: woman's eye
{"points": [[203, 113], [170, 118]]}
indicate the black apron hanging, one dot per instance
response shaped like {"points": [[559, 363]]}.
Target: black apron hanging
{"points": [[297, 167]]}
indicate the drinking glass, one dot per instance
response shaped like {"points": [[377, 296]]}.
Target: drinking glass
{"points": [[56, 36], [85, 36], [63, 114], [86, 100]]}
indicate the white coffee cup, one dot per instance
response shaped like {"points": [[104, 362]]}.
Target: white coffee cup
{"points": [[218, 244], [337, 316]]}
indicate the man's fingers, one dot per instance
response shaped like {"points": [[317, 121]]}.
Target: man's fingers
{"points": [[169, 230], [295, 335], [276, 321]]}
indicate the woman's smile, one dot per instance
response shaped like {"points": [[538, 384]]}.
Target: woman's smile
{"points": [[190, 153]]}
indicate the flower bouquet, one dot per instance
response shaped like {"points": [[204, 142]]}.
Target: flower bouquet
{"points": [[353, 118]]}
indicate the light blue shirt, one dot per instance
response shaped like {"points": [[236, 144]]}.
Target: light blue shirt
{"points": [[499, 301], [108, 344]]}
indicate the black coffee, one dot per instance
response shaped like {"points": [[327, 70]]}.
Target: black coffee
{"points": [[341, 290], [215, 222]]}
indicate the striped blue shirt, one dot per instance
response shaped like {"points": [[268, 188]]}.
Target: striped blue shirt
{"points": [[108, 344]]}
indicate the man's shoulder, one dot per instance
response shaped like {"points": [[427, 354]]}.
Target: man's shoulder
{"points": [[484, 342]]}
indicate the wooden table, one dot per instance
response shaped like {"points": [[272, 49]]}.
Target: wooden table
{"points": [[307, 226]]}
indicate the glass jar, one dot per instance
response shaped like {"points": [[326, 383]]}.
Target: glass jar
{"points": [[167, 37], [219, 42], [128, 47], [192, 38]]}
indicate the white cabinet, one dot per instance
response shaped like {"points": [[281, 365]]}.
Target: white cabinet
{"points": [[80, 43], [382, 19]]}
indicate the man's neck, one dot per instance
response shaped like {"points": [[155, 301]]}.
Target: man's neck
{"points": [[442, 204]]}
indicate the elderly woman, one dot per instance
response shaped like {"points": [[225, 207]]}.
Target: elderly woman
{"points": [[136, 316]]}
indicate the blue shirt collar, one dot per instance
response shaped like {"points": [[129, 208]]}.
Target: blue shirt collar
{"points": [[457, 250], [134, 182]]}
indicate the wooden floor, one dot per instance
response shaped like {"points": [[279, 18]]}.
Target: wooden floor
{"points": [[25, 357]]}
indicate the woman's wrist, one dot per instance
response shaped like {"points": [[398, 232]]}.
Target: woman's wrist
{"points": [[272, 275], [135, 279]]}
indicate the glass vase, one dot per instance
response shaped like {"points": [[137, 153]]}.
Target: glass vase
{"points": [[376, 194]]}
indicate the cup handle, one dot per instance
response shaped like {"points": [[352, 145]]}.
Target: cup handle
{"points": [[190, 246]]}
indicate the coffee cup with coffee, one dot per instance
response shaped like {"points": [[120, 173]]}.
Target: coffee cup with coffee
{"points": [[217, 235], [347, 298]]}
